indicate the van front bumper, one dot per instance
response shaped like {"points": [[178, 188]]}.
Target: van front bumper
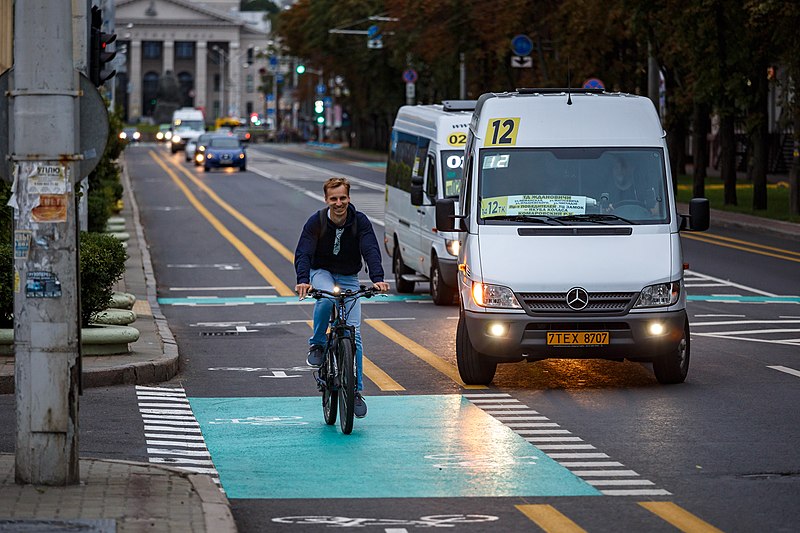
{"points": [[629, 335]]}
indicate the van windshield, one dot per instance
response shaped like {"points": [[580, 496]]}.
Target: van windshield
{"points": [[452, 170], [627, 183]]}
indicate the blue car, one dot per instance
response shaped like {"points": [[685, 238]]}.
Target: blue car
{"points": [[224, 152]]}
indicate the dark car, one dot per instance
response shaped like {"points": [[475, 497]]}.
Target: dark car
{"points": [[224, 152], [242, 133], [130, 135], [197, 153]]}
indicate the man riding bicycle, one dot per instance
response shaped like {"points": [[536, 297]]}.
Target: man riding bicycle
{"points": [[329, 254]]}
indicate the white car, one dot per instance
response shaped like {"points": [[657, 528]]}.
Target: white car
{"points": [[191, 148]]}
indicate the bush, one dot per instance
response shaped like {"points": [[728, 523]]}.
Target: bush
{"points": [[105, 188], [102, 264]]}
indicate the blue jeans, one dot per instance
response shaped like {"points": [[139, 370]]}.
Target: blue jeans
{"points": [[322, 279]]}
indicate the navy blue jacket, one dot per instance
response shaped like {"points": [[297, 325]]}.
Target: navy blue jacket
{"points": [[313, 252]]}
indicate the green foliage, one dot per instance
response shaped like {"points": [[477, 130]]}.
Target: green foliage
{"points": [[6, 285], [102, 264], [105, 187]]}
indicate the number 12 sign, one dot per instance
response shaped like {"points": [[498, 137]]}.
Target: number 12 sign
{"points": [[502, 132]]}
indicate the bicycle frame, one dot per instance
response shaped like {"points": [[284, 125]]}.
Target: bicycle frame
{"points": [[336, 378]]}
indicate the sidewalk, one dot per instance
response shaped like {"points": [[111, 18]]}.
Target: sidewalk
{"points": [[116, 495]]}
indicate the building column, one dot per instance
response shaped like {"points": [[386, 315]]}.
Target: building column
{"points": [[201, 76], [135, 81], [235, 70], [169, 56]]}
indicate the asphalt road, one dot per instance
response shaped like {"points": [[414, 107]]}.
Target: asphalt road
{"points": [[595, 444]]}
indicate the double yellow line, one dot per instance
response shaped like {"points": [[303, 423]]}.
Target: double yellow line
{"points": [[371, 370], [745, 246]]}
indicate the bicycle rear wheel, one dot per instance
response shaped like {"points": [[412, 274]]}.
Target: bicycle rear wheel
{"points": [[347, 384], [329, 394]]}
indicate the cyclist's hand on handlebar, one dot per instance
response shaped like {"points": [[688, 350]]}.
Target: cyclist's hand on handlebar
{"points": [[302, 289], [381, 286]]}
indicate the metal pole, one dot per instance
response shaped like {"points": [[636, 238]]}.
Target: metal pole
{"points": [[45, 127], [462, 77]]}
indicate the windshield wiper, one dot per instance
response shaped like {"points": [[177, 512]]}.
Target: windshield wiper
{"points": [[597, 218], [538, 219]]}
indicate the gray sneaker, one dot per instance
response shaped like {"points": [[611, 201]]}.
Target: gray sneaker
{"points": [[314, 356], [360, 409]]}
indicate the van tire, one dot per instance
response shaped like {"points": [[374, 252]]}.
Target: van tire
{"points": [[441, 293], [673, 367], [401, 285], [473, 366]]}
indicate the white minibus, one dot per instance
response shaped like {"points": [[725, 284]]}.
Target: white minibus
{"points": [[569, 234], [425, 163]]}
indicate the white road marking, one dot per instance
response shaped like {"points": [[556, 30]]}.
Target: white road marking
{"points": [[786, 369], [728, 283]]}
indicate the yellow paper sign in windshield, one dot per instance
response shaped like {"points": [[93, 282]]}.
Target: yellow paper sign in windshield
{"points": [[553, 205]]}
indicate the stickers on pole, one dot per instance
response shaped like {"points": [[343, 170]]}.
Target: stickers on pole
{"points": [[42, 284], [48, 182]]}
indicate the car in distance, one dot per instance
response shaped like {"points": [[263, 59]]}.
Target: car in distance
{"points": [[224, 152], [197, 150], [242, 133], [130, 135], [164, 133]]}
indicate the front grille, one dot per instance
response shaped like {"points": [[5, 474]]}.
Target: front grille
{"points": [[556, 302]]}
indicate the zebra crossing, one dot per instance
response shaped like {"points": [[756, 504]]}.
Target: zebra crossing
{"points": [[610, 477], [171, 431]]}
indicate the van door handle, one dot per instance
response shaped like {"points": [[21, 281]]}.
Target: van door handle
{"points": [[404, 222], [420, 211]]}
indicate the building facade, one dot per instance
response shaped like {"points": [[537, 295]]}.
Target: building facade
{"points": [[214, 52]]}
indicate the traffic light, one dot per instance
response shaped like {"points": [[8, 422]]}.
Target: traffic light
{"points": [[98, 56], [300, 68], [319, 111]]}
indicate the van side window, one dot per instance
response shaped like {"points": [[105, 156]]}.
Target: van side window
{"points": [[466, 185], [430, 178], [402, 158]]}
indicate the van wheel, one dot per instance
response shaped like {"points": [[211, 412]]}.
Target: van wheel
{"points": [[402, 286], [473, 366], [674, 366], [442, 294]]}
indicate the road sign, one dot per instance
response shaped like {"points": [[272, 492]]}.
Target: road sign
{"points": [[321, 88], [376, 43], [521, 62], [327, 101], [373, 31], [410, 75], [411, 90], [594, 83], [521, 45]]}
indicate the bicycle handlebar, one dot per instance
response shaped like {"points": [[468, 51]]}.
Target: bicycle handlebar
{"points": [[365, 292]]}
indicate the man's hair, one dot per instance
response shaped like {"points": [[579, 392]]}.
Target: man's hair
{"points": [[332, 183]]}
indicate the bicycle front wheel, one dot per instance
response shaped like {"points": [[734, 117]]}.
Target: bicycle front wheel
{"points": [[347, 384], [329, 394]]}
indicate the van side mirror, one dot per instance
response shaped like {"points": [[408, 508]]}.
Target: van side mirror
{"points": [[416, 190], [446, 218], [699, 218]]}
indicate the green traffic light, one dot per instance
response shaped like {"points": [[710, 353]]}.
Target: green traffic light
{"points": [[320, 120], [300, 69]]}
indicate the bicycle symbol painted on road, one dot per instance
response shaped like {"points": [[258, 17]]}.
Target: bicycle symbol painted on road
{"points": [[262, 421], [473, 461], [445, 520]]}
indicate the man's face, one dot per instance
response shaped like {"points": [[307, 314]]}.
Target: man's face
{"points": [[338, 200]]}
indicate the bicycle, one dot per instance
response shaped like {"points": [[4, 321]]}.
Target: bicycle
{"points": [[336, 378]]}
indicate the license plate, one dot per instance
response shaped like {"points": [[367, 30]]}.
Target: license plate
{"points": [[577, 338], [225, 161]]}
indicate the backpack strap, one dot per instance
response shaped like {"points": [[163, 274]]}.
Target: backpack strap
{"points": [[323, 224]]}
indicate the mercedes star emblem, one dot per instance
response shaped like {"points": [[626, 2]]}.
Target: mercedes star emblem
{"points": [[577, 298]]}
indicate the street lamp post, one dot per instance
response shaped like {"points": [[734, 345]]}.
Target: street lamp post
{"points": [[223, 57]]}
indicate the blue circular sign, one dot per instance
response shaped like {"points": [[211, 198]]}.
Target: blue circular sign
{"points": [[373, 31], [521, 45], [410, 75], [593, 83], [321, 89]]}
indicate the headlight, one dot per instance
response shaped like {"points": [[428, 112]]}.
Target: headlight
{"points": [[241, 156], [487, 295], [176, 138], [136, 135], [168, 135], [123, 135], [209, 156], [201, 148], [659, 295], [453, 246], [199, 158], [160, 135]]}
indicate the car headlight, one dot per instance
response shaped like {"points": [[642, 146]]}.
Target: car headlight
{"points": [[659, 295], [136, 135], [168, 135], [453, 246], [488, 295], [123, 135], [241, 156], [209, 156], [160, 135], [176, 138], [201, 148]]}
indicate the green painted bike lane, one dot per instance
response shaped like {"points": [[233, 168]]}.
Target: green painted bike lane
{"points": [[423, 446]]}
